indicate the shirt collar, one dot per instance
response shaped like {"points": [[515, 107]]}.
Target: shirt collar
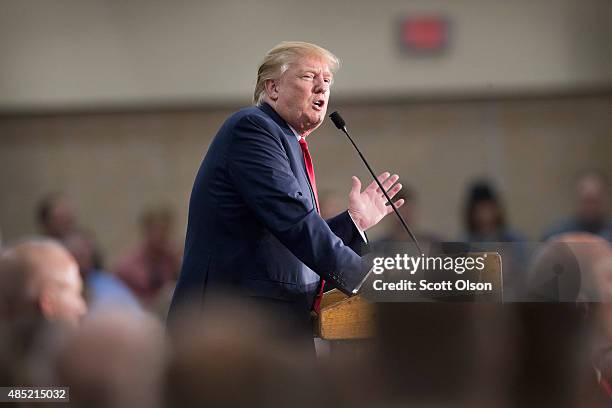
{"points": [[297, 135]]}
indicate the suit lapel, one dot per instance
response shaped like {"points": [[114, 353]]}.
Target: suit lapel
{"points": [[294, 151]]}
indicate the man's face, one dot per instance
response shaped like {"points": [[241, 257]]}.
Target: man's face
{"points": [[63, 298], [61, 219], [301, 94], [591, 199]]}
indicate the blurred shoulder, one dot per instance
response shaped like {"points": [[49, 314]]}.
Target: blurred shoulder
{"points": [[251, 115]]}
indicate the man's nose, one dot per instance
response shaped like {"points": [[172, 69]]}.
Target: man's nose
{"points": [[321, 86]]}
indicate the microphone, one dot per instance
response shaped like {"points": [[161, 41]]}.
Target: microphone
{"points": [[341, 124]]}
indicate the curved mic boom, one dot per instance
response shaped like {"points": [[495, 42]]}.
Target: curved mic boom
{"points": [[341, 124]]}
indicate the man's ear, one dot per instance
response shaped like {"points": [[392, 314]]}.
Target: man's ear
{"points": [[271, 88], [46, 304]]}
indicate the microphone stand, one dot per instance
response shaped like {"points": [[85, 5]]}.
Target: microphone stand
{"points": [[341, 124]]}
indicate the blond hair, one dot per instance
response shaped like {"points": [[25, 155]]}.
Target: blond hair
{"points": [[278, 59]]}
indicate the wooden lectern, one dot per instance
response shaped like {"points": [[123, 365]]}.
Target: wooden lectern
{"points": [[349, 318]]}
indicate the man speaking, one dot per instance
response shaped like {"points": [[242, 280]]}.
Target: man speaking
{"points": [[254, 227]]}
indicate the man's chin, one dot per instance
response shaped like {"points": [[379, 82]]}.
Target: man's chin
{"points": [[317, 119], [310, 123]]}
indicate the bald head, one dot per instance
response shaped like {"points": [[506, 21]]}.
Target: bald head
{"points": [[41, 278]]}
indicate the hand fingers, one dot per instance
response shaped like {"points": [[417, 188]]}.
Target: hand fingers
{"points": [[382, 177], [397, 204], [394, 190], [388, 183], [356, 186]]}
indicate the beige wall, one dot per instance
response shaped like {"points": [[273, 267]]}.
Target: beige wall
{"points": [[114, 164], [74, 53]]}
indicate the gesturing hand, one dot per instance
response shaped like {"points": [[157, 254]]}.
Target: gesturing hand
{"points": [[369, 206]]}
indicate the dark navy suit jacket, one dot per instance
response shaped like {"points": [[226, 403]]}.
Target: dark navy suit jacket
{"points": [[253, 228]]}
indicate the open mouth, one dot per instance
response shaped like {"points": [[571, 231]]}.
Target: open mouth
{"points": [[318, 105]]}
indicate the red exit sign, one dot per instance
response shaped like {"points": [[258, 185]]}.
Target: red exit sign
{"points": [[425, 34]]}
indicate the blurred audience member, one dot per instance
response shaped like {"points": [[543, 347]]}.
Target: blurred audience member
{"points": [[410, 214], [485, 220], [233, 353], [576, 267], [431, 354], [41, 279], [155, 262], [57, 219], [553, 368], [592, 208], [486, 227], [40, 296], [56, 215], [114, 360], [572, 267], [103, 290]]}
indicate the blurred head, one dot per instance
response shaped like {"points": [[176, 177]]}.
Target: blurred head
{"points": [[44, 281], [114, 360], [234, 345], [591, 199], [56, 215], [295, 79], [593, 254], [572, 267], [483, 211], [157, 226], [418, 346]]}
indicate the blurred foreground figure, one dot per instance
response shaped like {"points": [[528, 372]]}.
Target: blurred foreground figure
{"points": [[592, 213], [571, 268], [444, 354], [40, 279], [567, 332], [40, 297], [234, 354], [114, 360], [155, 261]]}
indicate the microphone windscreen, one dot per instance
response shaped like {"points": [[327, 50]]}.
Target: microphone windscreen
{"points": [[337, 119]]}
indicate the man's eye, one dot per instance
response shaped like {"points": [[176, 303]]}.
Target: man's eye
{"points": [[328, 80], [308, 76]]}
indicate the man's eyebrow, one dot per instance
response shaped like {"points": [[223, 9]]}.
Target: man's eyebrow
{"points": [[316, 71]]}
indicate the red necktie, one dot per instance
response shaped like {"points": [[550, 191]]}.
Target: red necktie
{"points": [[313, 183]]}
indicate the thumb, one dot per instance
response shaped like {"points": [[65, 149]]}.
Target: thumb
{"points": [[356, 186]]}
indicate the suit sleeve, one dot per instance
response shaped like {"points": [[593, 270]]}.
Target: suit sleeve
{"points": [[259, 167], [343, 226]]}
